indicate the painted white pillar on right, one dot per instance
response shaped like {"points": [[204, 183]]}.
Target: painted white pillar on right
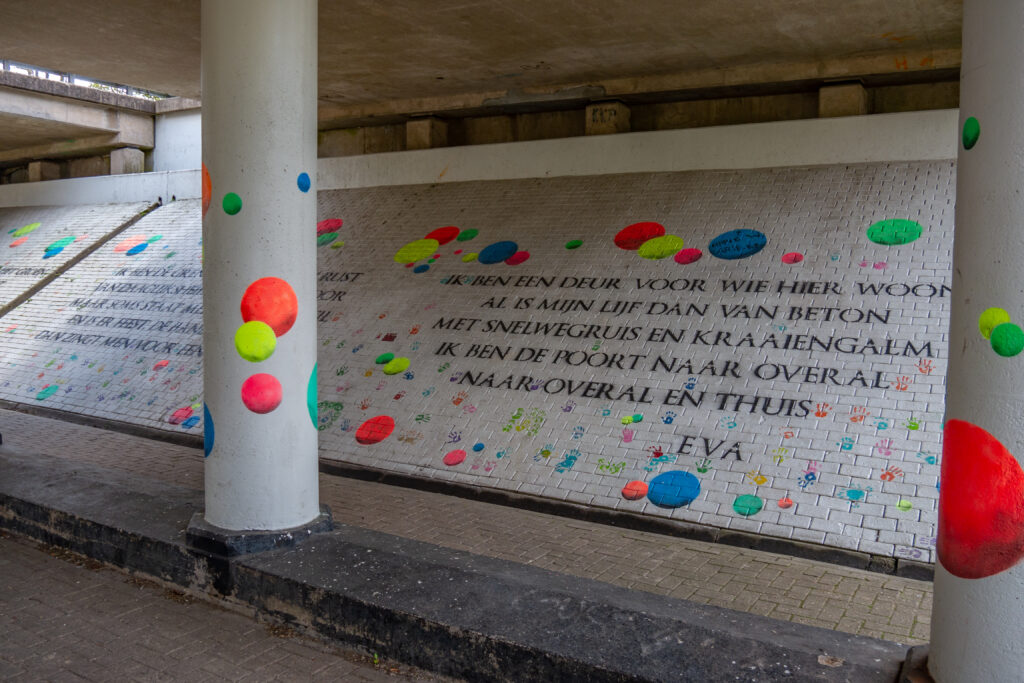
{"points": [[977, 631]]}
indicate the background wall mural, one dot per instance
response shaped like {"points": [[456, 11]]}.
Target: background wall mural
{"points": [[758, 350]]}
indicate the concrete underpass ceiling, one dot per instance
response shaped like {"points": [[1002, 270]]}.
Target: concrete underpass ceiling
{"points": [[16, 129], [413, 56]]}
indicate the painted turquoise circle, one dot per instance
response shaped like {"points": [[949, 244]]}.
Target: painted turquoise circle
{"points": [[208, 433], [304, 182], [1007, 340], [47, 392], [478, 447], [61, 243], [138, 248], [638, 418], [232, 203], [50, 253], [747, 505], [497, 252], [311, 403], [737, 244], [972, 131], [894, 231], [673, 489]]}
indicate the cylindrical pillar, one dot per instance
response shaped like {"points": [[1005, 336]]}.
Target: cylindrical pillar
{"points": [[259, 84], [978, 614]]}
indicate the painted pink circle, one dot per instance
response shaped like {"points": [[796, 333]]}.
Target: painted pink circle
{"points": [[517, 258], [261, 393], [792, 257], [687, 256], [329, 225], [632, 236], [453, 458], [634, 490]]}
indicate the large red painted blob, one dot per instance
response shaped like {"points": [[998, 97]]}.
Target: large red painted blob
{"points": [[271, 300], [632, 236], [375, 430], [981, 503], [443, 235]]}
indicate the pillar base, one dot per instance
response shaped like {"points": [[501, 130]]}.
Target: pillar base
{"points": [[915, 667], [205, 537]]}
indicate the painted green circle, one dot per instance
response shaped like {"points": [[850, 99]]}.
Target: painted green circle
{"points": [[155, 238], [24, 230], [311, 403], [326, 238], [471, 256], [904, 505], [638, 418], [660, 247], [1007, 340], [574, 244], [991, 319], [972, 130], [747, 505], [467, 235], [255, 341], [384, 358], [400, 364], [232, 203], [61, 243], [416, 250], [894, 231]]}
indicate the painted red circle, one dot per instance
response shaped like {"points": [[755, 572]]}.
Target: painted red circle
{"points": [[792, 257], [261, 393], [785, 503], [271, 300], [517, 258], [207, 189], [634, 490], [458, 251], [375, 430], [326, 226], [443, 235], [687, 256], [632, 236], [453, 458]]}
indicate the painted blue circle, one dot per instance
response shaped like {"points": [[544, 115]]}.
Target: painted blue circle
{"points": [[304, 182], [190, 423], [673, 489], [497, 252], [737, 244], [138, 248], [207, 432], [422, 268], [478, 447], [52, 252]]}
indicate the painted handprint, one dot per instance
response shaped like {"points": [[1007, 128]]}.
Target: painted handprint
{"points": [[779, 454], [924, 366], [884, 447], [858, 414], [423, 417], [902, 383], [891, 473], [409, 375], [428, 391], [668, 417], [577, 432], [399, 395], [453, 437], [912, 424], [822, 410], [512, 420], [691, 383], [627, 435], [365, 404], [459, 398], [568, 461], [845, 444], [609, 467], [704, 465], [728, 422], [756, 477], [569, 406]]}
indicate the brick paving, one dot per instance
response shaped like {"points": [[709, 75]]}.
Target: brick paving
{"points": [[67, 618], [778, 586]]}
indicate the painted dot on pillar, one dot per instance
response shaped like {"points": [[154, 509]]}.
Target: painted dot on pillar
{"points": [[634, 490], [991, 319], [311, 395], [271, 300], [208, 433], [261, 393], [207, 190], [673, 489], [972, 131], [232, 203], [303, 182], [1007, 340], [375, 430], [255, 341]]}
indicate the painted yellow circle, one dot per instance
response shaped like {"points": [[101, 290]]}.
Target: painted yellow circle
{"points": [[400, 364], [471, 256], [660, 247], [255, 341], [991, 319], [417, 250]]}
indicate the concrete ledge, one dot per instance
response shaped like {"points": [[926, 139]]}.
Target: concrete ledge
{"points": [[207, 538], [453, 612]]}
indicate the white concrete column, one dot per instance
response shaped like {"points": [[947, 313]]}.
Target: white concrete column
{"points": [[978, 615], [259, 84]]}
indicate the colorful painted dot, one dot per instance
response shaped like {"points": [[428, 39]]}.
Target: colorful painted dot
{"points": [[400, 364], [208, 432], [326, 238], [1007, 340], [207, 192], [478, 447], [991, 319], [785, 503], [328, 225], [673, 489], [904, 505], [25, 229], [191, 422], [18, 242], [627, 420], [634, 490], [894, 231], [61, 243], [50, 253], [574, 244], [384, 358], [273, 301], [688, 256], [261, 393], [497, 252], [138, 248], [737, 244], [660, 247], [255, 341], [471, 256], [232, 203], [443, 235], [453, 458], [638, 418], [422, 268], [156, 238], [467, 235], [416, 250], [311, 395], [128, 243], [633, 236], [156, 366], [458, 251], [304, 182], [375, 430], [517, 258], [48, 391], [747, 505], [180, 415], [972, 131], [792, 257]]}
